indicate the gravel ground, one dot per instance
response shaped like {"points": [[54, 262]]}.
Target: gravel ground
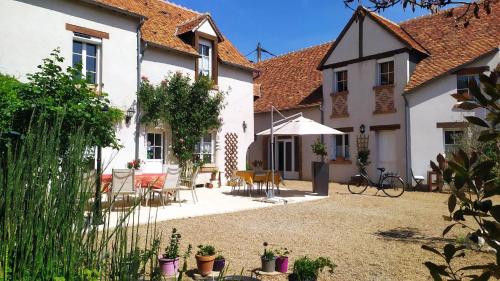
{"points": [[369, 237]]}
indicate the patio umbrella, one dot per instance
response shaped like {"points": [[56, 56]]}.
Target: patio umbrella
{"points": [[301, 126], [293, 125]]}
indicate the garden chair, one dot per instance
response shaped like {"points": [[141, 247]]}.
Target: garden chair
{"points": [[418, 179], [123, 183], [169, 184], [187, 180], [234, 181]]}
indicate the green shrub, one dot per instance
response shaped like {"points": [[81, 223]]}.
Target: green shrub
{"points": [[9, 101], [205, 250], [307, 269]]}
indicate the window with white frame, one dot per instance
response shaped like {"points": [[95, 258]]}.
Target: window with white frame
{"points": [[205, 149], [464, 82], [86, 54], [452, 140], [205, 60], [386, 73], [341, 81], [340, 147], [154, 146]]}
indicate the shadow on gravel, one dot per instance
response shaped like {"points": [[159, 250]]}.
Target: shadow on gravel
{"points": [[409, 235]]}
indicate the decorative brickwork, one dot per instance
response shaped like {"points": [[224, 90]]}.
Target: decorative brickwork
{"points": [[339, 105], [384, 99]]}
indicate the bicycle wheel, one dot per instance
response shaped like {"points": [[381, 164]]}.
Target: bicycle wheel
{"points": [[358, 184], [393, 186]]}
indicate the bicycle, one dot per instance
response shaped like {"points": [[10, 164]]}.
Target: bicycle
{"points": [[391, 184]]}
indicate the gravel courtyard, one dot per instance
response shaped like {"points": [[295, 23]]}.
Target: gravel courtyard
{"points": [[368, 237]]}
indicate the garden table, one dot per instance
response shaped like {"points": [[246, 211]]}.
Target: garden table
{"points": [[141, 180]]}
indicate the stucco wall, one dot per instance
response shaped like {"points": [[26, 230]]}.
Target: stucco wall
{"points": [[263, 122], [238, 84], [361, 104], [32, 29], [431, 104]]}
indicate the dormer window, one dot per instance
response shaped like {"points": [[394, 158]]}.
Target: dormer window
{"points": [[341, 81], [205, 60]]}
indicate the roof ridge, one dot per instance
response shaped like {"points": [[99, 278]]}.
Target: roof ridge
{"points": [[428, 15], [180, 6], [192, 19], [297, 51]]}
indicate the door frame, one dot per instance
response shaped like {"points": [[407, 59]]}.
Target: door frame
{"points": [[294, 172]]}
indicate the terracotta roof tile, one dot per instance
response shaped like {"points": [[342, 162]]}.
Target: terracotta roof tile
{"points": [[291, 80], [451, 46], [164, 19]]}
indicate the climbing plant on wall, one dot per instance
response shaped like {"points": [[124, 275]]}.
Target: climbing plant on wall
{"points": [[191, 108]]}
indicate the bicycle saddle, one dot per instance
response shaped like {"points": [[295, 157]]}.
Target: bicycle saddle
{"points": [[381, 169]]}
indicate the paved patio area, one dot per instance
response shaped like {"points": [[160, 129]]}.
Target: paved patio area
{"points": [[211, 202]]}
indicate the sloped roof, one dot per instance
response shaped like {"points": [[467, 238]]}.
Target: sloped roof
{"points": [[451, 46], [290, 81], [163, 22]]}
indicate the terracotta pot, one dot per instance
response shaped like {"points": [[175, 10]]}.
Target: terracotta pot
{"points": [[168, 267], [268, 265], [219, 264], [282, 264], [205, 264]]}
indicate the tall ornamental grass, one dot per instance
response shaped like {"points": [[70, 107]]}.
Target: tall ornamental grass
{"points": [[46, 204]]}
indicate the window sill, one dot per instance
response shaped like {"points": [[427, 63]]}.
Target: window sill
{"points": [[341, 161], [383, 87], [340, 93]]}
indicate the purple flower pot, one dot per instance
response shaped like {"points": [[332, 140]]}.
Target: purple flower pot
{"points": [[168, 267], [282, 264], [219, 264]]}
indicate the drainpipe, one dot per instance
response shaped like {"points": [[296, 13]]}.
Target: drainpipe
{"points": [[322, 120], [407, 140], [140, 53]]}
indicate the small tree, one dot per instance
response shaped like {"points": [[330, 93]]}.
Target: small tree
{"points": [[192, 109], [319, 148], [472, 184], [51, 93]]}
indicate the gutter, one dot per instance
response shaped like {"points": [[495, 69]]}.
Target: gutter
{"points": [[140, 54], [407, 140]]}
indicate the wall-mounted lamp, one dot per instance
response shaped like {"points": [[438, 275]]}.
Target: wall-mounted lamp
{"points": [[130, 113], [362, 129], [244, 126]]}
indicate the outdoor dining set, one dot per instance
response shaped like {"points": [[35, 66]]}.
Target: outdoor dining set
{"points": [[167, 185], [257, 179]]}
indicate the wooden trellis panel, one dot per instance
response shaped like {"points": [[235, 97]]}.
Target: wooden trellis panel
{"points": [[363, 142], [231, 153]]}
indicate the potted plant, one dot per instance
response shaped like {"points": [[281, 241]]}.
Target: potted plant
{"points": [[268, 259], [282, 260], [307, 269], [205, 258], [219, 263], [134, 164], [213, 175], [169, 261], [320, 169]]}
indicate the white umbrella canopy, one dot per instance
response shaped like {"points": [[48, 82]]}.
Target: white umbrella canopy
{"points": [[301, 126]]}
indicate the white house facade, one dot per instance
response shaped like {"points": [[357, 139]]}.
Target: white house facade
{"points": [[389, 86], [118, 42]]}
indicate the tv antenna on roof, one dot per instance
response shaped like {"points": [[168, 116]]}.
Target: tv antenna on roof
{"points": [[259, 51]]}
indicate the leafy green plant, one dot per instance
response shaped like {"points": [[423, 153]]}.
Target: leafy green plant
{"points": [[472, 185], [307, 269], [192, 109], [283, 252], [172, 251], [185, 257], [269, 253], [319, 148], [52, 92], [205, 250]]}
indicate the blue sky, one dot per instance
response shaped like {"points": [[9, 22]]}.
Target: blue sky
{"points": [[282, 25]]}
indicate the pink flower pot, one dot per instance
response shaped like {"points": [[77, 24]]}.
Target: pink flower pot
{"points": [[282, 264], [168, 267]]}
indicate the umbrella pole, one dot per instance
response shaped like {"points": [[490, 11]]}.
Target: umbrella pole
{"points": [[271, 194]]}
